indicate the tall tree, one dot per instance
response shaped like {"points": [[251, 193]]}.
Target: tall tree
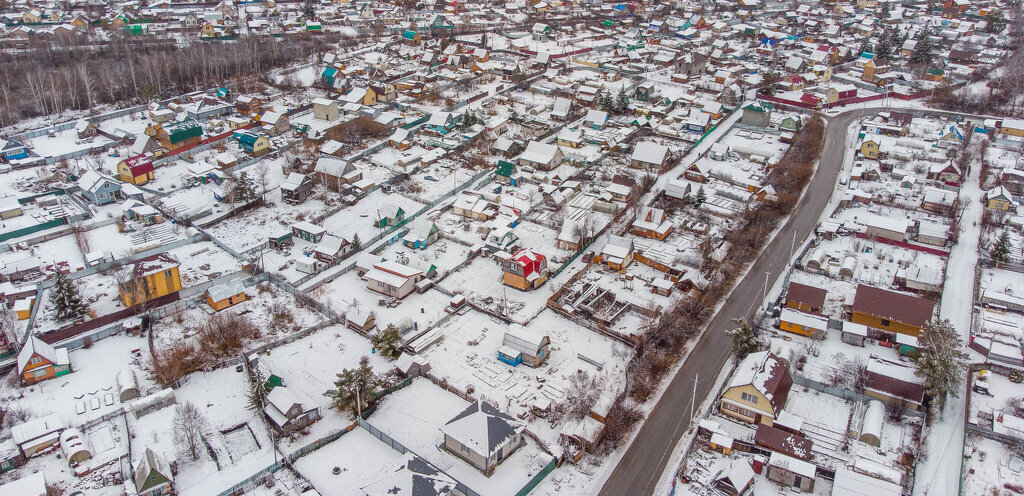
{"points": [[746, 338], [700, 197], [621, 102], [995, 21], [1000, 251], [308, 9], [256, 399], [355, 388], [388, 342], [941, 359], [769, 82], [67, 303], [189, 426], [922, 53]]}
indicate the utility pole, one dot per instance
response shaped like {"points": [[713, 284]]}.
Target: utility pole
{"points": [[764, 295], [693, 400]]}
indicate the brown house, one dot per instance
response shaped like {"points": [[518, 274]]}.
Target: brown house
{"points": [[38, 361], [891, 311], [805, 298]]}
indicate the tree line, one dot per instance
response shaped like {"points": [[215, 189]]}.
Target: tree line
{"points": [[50, 78]]}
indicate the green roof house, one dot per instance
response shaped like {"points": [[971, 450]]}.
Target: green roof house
{"points": [[153, 475]]}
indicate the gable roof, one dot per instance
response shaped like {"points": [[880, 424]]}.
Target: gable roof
{"points": [[768, 374], [36, 346], [483, 428], [151, 461], [809, 295], [890, 305], [650, 152]]}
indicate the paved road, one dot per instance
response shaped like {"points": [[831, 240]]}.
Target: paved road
{"points": [[645, 459]]}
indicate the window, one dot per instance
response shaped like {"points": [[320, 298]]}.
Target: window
{"points": [[167, 273], [39, 372], [749, 398], [738, 409], [463, 448], [35, 360], [885, 322]]}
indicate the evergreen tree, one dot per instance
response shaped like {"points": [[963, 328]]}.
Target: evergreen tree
{"points": [[700, 197], [995, 21], [608, 103], [883, 50], [923, 50], [622, 102], [388, 342], [941, 359], [245, 188], [308, 10], [67, 303], [1000, 251], [352, 384], [356, 242], [746, 339], [257, 396], [769, 82]]}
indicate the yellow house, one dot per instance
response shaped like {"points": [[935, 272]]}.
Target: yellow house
{"points": [[32, 17], [1012, 127], [890, 311], [38, 361], [150, 278], [804, 324], [999, 199], [370, 98], [758, 389], [23, 307], [869, 149], [136, 170], [208, 31]]}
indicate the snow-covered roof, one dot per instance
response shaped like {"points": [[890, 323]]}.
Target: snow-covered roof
{"points": [[538, 152], [36, 428], [768, 374], [224, 291], [34, 345], [850, 483], [798, 467], [483, 428], [28, 485], [416, 477], [650, 152]]}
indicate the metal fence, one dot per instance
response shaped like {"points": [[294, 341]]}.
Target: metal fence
{"points": [[537, 479]]}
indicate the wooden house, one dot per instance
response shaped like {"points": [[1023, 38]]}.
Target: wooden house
{"points": [[136, 170], [296, 188], [290, 410], [483, 436], [422, 233], [150, 278], [758, 389], [652, 223], [890, 311], [225, 295], [39, 361], [521, 345], [525, 270], [153, 476], [805, 298]]}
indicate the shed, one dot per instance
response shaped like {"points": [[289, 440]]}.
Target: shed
{"points": [[528, 346], [850, 483], [854, 334], [871, 427], [127, 385], [225, 295], [37, 435], [789, 471], [29, 485]]}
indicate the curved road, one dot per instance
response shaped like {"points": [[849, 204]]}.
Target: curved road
{"points": [[644, 461]]}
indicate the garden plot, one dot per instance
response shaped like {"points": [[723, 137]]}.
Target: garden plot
{"points": [[361, 459], [988, 465], [624, 291], [543, 240], [90, 391], [274, 312], [64, 142], [867, 261], [251, 228], [62, 251], [348, 295], [358, 219], [203, 261], [467, 357], [99, 291], [444, 254], [430, 182], [481, 282], [402, 416], [310, 366]]}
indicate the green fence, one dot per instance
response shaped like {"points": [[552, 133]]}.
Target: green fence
{"points": [[17, 233], [537, 479]]}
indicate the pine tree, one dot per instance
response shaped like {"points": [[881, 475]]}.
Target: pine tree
{"points": [[246, 189], [388, 342], [257, 396], [700, 197], [923, 50], [746, 339], [941, 359], [356, 383], [622, 102], [1000, 251], [356, 242], [607, 103], [308, 10], [67, 303]]}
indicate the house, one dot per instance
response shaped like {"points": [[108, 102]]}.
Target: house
{"points": [[325, 110], [572, 138], [296, 188], [891, 311], [39, 361], [27, 485], [392, 279], [289, 410], [783, 439], [332, 248], [541, 156], [940, 201], [308, 231], [178, 135], [225, 295], [561, 109], [85, 129], [891, 228], [697, 172], [137, 211], [596, 119], [525, 270], [758, 390], [37, 435], [483, 436], [737, 478], [255, 144], [389, 215], [422, 233], [805, 298], [136, 170], [506, 173], [410, 37], [618, 253], [790, 471], [249, 104], [757, 114], [10, 459], [894, 382], [649, 156], [98, 188], [153, 476], [274, 123], [472, 205], [652, 223], [870, 148], [12, 150], [334, 172], [150, 278], [441, 122], [1007, 128], [521, 345], [697, 121], [999, 198], [805, 324]]}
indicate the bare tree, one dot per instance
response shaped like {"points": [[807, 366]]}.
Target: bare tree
{"points": [[189, 426]]}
